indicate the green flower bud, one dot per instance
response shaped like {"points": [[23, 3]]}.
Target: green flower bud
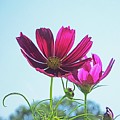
{"points": [[69, 93]]}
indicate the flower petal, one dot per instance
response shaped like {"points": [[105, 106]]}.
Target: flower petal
{"points": [[34, 63], [87, 66], [45, 41], [28, 46], [79, 51], [82, 75], [57, 72], [74, 66], [64, 41], [43, 71], [95, 72], [108, 69], [72, 77], [96, 60]]}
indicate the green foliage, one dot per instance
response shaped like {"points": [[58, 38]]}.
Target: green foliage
{"points": [[67, 107]]}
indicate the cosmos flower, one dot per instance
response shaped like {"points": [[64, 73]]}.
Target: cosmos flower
{"points": [[108, 115], [54, 58], [90, 74]]}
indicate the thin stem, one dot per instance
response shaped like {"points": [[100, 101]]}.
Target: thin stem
{"points": [[34, 109], [66, 83], [81, 115], [59, 102], [85, 105], [51, 100], [116, 117], [75, 109], [15, 93], [63, 84]]}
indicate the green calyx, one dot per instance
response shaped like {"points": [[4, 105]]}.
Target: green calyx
{"points": [[85, 88]]}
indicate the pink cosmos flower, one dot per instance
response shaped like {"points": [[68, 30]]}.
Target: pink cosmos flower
{"points": [[54, 58], [90, 74]]}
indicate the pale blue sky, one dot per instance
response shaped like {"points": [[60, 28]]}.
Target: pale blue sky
{"points": [[100, 19]]}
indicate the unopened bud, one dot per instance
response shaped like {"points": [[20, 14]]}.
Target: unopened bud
{"points": [[69, 93], [108, 115]]}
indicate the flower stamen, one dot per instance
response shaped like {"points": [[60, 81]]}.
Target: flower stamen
{"points": [[53, 62]]}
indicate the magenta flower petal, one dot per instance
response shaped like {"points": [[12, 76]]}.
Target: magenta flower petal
{"points": [[64, 41], [96, 60], [45, 41], [74, 66], [79, 51], [28, 46], [108, 69], [95, 73], [43, 71], [34, 63], [72, 79], [87, 66], [57, 72], [82, 75]]}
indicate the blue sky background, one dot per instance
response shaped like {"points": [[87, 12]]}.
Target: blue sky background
{"points": [[100, 19]]}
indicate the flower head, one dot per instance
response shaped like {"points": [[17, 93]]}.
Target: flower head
{"points": [[108, 115], [90, 74], [54, 58]]}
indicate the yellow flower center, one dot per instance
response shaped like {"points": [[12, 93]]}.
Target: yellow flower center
{"points": [[53, 62]]}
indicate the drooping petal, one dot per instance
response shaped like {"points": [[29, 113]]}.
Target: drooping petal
{"points": [[108, 69], [79, 51], [95, 73], [34, 63], [64, 41], [43, 71], [45, 41], [28, 46]]}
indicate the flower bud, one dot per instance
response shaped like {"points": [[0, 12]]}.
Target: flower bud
{"points": [[108, 115], [69, 93]]}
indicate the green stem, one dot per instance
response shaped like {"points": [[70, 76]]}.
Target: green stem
{"points": [[63, 84], [85, 105], [51, 99], [59, 102], [81, 115], [75, 109], [19, 94]]}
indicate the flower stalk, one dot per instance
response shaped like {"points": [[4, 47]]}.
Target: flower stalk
{"points": [[51, 101], [85, 105]]}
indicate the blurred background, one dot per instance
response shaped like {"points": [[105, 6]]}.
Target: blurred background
{"points": [[99, 19]]}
